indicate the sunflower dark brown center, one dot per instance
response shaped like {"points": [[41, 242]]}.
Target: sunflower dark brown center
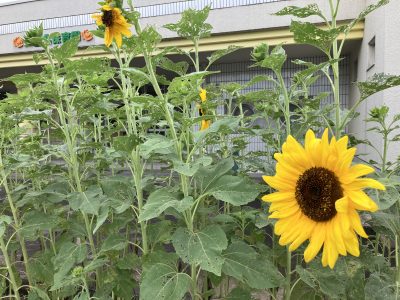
{"points": [[107, 18], [317, 190]]}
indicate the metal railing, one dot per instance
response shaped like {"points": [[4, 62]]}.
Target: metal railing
{"points": [[149, 11]]}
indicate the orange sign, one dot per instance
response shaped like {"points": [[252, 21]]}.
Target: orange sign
{"points": [[59, 38], [18, 42]]}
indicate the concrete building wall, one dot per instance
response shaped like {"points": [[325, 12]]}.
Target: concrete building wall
{"points": [[382, 25], [226, 20]]}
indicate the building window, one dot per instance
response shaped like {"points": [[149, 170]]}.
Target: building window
{"points": [[371, 54]]}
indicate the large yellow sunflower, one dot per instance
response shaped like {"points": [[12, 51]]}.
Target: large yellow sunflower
{"points": [[115, 23], [318, 195], [203, 97]]}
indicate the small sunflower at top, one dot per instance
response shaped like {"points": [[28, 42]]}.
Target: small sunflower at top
{"points": [[114, 23]]}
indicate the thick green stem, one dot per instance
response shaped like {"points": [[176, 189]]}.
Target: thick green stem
{"points": [[287, 102], [9, 268], [16, 221], [335, 69], [194, 281], [397, 266], [385, 147], [288, 132], [137, 177], [136, 161], [288, 272], [196, 51], [336, 96]]}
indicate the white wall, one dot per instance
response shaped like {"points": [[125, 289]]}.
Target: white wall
{"points": [[242, 18], [384, 24]]}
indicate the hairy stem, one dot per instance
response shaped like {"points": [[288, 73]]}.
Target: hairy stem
{"points": [[9, 268]]}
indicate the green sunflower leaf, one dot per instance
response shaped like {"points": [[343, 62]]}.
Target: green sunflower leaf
{"points": [[68, 256], [162, 280], [37, 221], [4, 221], [207, 176], [193, 24], [246, 265], [189, 169], [377, 83], [271, 59], [201, 248], [162, 199], [301, 12], [369, 9], [88, 201], [239, 294], [67, 50], [311, 34], [156, 144], [221, 53], [234, 189]]}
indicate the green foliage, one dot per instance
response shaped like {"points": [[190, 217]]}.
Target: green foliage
{"points": [[34, 37], [369, 9], [192, 25], [301, 12], [162, 280], [162, 199], [203, 248], [377, 83], [273, 59], [108, 189], [311, 34], [246, 265]]}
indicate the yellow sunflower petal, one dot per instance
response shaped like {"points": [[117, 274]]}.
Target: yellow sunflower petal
{"points": [[309, 141], [282, 225], [356, 223], [289, 162], [108, 37], [355, 172], [98, 18], [338, 237], [341, 144], [342, 205], [332, 255], [287, 173], [107, 7], [303, 236], [352, 245], [329, 252], [361, 201], [289, 235], [344, 161], [324, 258], [203, 95], [316, 241], [324, 148], [122, 29], [118, 40], [278, 184], [283, 205], [284, 214], [279, 196], [363, 183]]}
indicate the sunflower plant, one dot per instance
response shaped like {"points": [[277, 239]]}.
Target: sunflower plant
{"points": [[127, 182]]}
